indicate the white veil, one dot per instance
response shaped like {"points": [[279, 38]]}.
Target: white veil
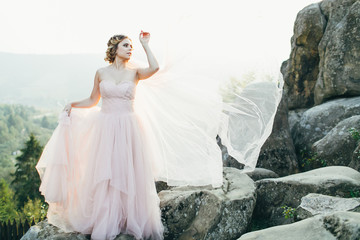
{"points": [[183, 110]]}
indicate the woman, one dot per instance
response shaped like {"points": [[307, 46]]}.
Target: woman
{"points": [[105, 178], [99, 166]]}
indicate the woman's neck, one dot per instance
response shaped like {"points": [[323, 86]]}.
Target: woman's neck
{"points": [[119, 64]]}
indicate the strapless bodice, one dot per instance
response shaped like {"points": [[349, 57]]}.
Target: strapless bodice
{"points": [[117, 97]]}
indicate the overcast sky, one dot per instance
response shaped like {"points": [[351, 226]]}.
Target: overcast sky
{"points": [[234, 31]]}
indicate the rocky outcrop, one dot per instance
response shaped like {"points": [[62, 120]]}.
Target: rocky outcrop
{"points": [[274, 193], [338, 146], [339, 51], [317, 204], [338, 226], [278, 152], [190, 212], [301, 70], [209, 213], [317, 122], [325, 54]]}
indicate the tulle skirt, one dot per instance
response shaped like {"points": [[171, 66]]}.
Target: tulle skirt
{"points": [[97, 176]]}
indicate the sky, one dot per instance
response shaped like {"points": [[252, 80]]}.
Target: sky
{"points": [[226, 33]]}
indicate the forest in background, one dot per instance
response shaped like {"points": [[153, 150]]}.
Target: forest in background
{"points": [[24, 130]]}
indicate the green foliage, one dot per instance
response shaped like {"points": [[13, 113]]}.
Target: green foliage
{"points": [[355, 133], [288, 212], [16, 123], [7, 204], [354, 193], [34, 209], [26, 181], [310, 160]]}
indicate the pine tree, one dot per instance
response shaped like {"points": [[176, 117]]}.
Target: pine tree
{"points": [[27, 181]]}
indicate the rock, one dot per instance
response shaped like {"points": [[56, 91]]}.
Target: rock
{"points": [[228, 161], [160, 185], [318, 204], [337, 147], [294, 117], [209, 213], [338, 226], [355, 162], [45, 231], [278, 152], [261, 173], [301, 70], [324, 61], [273, 193], [343, 225], [318, 121], [339, 50]]}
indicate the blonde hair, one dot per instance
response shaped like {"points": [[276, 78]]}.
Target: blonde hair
{"points": [[112, 47]]}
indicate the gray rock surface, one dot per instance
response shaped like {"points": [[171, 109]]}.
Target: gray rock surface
{"points": [[273, 193], [294, 117], [339, 50], [337, 147], [261, 173], [318, 121], [355, 162], [301, 70], [45, 231], [209, 213], [317, 204], [338, 226], [278, 152]]}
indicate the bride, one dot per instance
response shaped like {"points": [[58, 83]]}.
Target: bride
{"points": [[104, 176], [99, 166]]}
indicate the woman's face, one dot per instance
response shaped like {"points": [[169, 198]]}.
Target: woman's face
{"points": [[124, 49]]}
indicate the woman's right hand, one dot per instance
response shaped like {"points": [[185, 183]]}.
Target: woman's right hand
{"points": [[67, 109]]}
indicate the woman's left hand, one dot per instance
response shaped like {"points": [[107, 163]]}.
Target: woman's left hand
{"points": [[144, 37]]}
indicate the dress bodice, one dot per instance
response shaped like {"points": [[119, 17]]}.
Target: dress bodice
{"points": [[116, 95]]}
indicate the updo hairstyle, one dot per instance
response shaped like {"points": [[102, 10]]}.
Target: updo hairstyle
{"points": [[112, 47]]}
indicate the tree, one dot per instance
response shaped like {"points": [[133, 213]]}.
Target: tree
{"points": [[45, 122], [26, 181]]}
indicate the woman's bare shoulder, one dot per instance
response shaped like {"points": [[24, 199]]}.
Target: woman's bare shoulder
{"points": [[101, 71]]}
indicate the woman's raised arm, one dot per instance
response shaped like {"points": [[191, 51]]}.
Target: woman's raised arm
{"points": [[143, 73], [90, 101]]}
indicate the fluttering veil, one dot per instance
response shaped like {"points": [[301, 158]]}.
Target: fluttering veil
{"points": [[183, 112]]}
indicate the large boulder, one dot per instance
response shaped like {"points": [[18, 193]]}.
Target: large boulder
{"points": [[339, 50], [338, 226], [274, 193], [301, 70], [337, 147], [318, 121], [209, 213], [317, 204], [324, 61], [278, 152]]}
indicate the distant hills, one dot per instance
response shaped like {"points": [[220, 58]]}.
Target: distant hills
{"points": [[51, 81], [47, 81]]}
